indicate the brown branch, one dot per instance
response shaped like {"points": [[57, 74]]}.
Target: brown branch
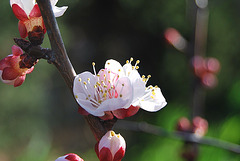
{"points": [[187, 137], [61, 61]]}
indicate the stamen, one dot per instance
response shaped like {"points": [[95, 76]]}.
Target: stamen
{"points": [[94, 70]]}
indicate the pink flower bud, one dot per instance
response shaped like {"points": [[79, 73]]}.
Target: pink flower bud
{"points": [[111, 147], [69, 157], [200, 126], [10, 70], [184, 125]]}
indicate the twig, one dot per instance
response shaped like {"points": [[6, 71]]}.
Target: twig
{"points": [[188, 137], [61, 61]]}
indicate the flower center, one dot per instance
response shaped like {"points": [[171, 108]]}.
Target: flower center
{"points": [[104, 88]]}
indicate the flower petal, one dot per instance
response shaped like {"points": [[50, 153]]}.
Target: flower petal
{"points": [[105, 155], [28, 5], [9, 82], [115, 67], [59, 11], [79, 87], [9, 74], [122, 113], [16, 51], [22, 29], [35, 12], [30, 70], [4, 63], [152, 103], [19, 81], [19, 12]]}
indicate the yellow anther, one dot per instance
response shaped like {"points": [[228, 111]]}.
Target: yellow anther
{"points": [[95, 86], [109, 81], [122, 84], [133, 67], [120, 95], [152, 97], [156, 86], [98, 75], [149, 76], [79, 79], [100, 101], [127, 61], [89, 95], [104, 95], [76, 96], [131, 59], [112, 133], [108, 63], [137, 67], [88, 79], [153, 93], [138, 61], [85, 83], [119, 70], [143, 76], [86, 98], [93, 63], [104, 75], [109, 71]]}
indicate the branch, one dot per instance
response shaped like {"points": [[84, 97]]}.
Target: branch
{"points": [[61, 61], [189, 137]]}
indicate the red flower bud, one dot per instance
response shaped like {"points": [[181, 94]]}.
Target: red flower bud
{"points": [[69, 157], [11, 71], [111, 147]]}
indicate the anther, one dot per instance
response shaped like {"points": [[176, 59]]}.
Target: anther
{"points": [[79, 79]]}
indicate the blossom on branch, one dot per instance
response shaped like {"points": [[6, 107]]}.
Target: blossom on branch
{"points": [[116, 91], [111, 147], [69, 157], [13, 69], [29, 15]]}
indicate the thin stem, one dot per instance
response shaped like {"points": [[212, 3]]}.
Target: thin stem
{"points": [[61, 61], [187, 137]]}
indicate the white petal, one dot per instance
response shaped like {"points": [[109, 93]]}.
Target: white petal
{"points": [[59, 11], [152, 104], [26, 5], [125, 89], [88, 106], [61, 159], [138, 84], [53, 2], [115, 67], [79, 87]]}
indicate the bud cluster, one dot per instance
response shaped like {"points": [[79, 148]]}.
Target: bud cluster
{"points": [[206, 69]]}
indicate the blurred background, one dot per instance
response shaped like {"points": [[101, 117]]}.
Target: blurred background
{"points": [[39, 119]]}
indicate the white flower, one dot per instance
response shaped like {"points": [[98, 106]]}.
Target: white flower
{"points": [[148, 98], [115, 89], [102, 92]]}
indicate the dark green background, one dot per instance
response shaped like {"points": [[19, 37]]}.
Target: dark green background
{"points": [[39, 120]]}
